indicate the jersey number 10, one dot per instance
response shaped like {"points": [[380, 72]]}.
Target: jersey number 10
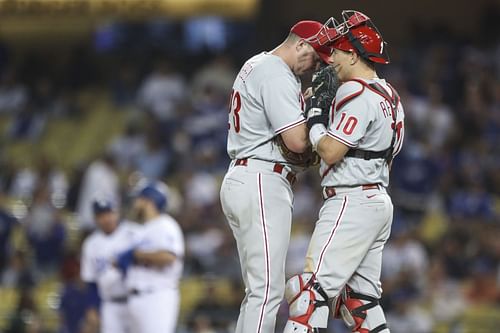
{"points": [[235, 107]]}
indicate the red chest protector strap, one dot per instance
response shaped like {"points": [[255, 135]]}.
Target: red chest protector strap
{"points": [[386, 154]]}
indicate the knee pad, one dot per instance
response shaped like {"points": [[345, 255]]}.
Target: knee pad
{"points": [[352, 308], [295, 285], [307, 303]]}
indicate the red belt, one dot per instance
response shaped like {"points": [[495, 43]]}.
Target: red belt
{"points": [[278, 168], [329, 191]]}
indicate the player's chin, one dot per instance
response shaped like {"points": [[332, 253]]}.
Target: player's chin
{"points": [[339, 72]]}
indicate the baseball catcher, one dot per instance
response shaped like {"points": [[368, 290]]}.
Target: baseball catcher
{"points": [[356, 136]]}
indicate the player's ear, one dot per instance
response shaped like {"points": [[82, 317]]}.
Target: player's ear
{"points": [[300, 44], [354, 57]]}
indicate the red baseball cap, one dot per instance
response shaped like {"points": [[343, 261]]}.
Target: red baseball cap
{"points": [[309, 31]]}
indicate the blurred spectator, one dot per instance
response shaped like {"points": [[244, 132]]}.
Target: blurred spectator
{"points": [[153, 161], [204, 243], [124, 84], [214, 312], [473, 202], [73, 305], [23, 184], [406, 315], [404, 261], [446, 295], [207, 124], [225, 262], [26, 318], [45, 232], [202, 190], [218, 75], [414, 179], [128, 147], [483, 288], [162, 91], [202, 324], [43, 173], [430, 117], [100, 179], [7, 225], [8, 168], [205, 33], [453, 254], [13, 94], [45, 99], [18, 273], [27, 124]]}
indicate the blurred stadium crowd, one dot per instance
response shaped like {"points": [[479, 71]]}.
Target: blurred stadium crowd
{"points": [[164, 117]]}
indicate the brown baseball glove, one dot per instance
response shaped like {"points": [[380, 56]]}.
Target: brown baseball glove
{"points": [[305, 159]]}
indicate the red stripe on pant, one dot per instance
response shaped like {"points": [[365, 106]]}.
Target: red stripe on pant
{"points": [[266, 251], [330, 238]]}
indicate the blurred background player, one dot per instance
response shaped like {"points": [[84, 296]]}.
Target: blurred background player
{"points": [[107, 291], [153, 266]]}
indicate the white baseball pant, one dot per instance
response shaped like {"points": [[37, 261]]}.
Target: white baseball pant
{"points": [[257, 203], [154, 311], [347, 243], [114, 317]]}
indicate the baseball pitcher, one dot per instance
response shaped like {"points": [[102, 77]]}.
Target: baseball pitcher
{"points": [[357, 138], [267, 142]]}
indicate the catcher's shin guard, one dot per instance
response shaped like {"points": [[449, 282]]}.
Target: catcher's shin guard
{"points": [[353, 309], [308, 306]]}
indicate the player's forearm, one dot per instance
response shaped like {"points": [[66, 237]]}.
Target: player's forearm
{"points": [[157, 258], [330, 150], [296, 138]]}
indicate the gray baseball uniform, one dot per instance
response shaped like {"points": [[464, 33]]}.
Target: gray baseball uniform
{"points": [[355, 220], [256, 194]]}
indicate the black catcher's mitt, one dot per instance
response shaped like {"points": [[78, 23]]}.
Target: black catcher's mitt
{"points": [[325, 83], [324, 87]]}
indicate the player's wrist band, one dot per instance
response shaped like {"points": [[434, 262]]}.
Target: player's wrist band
{"points": [[317, 132]]}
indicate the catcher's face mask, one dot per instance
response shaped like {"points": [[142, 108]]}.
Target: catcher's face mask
{"points": [[356, 33]]}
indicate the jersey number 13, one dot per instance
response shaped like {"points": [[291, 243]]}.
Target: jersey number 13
{"points": [[235, 108]]}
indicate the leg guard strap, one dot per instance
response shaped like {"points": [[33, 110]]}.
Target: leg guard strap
{"points": [[379, 328], [350, 308], [360, 311]]}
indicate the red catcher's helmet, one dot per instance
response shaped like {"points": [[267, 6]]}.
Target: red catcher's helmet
{"points": [[356, 33], [308, 29]]}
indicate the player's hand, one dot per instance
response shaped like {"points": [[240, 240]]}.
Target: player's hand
{"points": [[315, 113], [308, 93], [124, 260]]}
